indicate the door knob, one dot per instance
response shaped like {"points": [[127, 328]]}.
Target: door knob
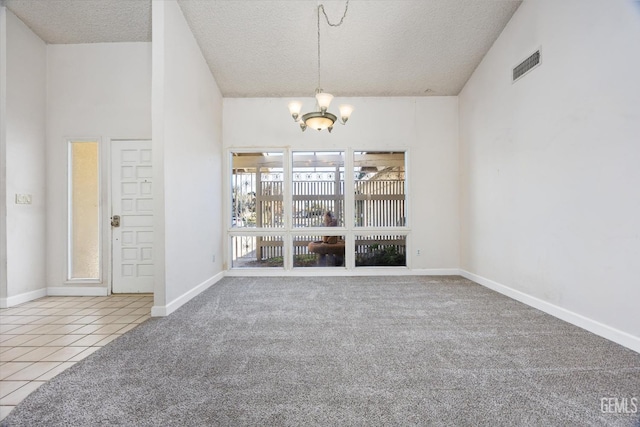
{"points": [[115, 221]]}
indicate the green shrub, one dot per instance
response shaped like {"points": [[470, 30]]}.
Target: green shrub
{"points": [[388, 256]]}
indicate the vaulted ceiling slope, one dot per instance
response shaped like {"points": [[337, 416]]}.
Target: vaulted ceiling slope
{"points": [[268, 48]]}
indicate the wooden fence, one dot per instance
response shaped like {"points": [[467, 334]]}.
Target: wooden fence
{"points": [[258, 202]]}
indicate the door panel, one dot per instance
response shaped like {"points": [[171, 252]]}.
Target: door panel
{"points": [[131, 200]]}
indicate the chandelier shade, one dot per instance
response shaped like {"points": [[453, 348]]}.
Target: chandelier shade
{"points": [[319, 121], [294, 108], [324, 100], [345, 112]]}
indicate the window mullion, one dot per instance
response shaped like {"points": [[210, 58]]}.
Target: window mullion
{"points": [[349, 189], [288, 209]]}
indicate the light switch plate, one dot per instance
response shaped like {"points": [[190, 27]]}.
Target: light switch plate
{"points": [[23, 199]]}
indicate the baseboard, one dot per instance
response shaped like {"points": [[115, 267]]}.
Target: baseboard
{"points": [[623, 338], [165, 310], [436, 272], [22, 298], [77, 291], [334, 272]]}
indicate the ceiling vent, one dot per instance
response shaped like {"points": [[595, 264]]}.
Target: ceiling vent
{"points": [[525, 66]]}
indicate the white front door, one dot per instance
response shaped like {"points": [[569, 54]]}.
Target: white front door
{"points": [[132, 217]]}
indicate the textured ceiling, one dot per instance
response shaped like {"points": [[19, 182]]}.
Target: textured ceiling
{"points": [[263, 48], [85, 21]]}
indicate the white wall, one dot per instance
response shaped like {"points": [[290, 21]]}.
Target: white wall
{"points": [[3, 156], [426, 126], [100, 90], [187, 123], [550, 176], [24, 163]]}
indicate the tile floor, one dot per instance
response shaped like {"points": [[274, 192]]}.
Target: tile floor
{"points": [[41, 338]]}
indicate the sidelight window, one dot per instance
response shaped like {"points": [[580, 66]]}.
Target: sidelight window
{"points": [[83, 211]]}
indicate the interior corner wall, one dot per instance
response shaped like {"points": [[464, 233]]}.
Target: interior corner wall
{"points": [[94, 91], [3, 156], [427, 127], [24, 162], [549, 164], [187, 111]]}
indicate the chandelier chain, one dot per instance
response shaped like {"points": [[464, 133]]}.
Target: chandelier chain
{"points": [[324, 12]]}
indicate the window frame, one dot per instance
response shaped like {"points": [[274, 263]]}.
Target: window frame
{"points": [[348, 229]]}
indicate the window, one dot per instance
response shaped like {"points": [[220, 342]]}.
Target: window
{"points": [[250, 251], [256, 188], [257, 181], [318, 251], [318, 187], [294, 209], [84, 211], [380, 251], [379, 189]]}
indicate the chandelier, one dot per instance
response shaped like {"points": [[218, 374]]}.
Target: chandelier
{"points": [[321, 119]]}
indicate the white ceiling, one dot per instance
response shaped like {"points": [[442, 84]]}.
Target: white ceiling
{"points": [[263, 48]]}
